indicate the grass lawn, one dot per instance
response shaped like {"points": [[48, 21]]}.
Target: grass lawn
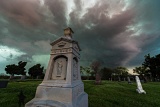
{"points": [[109, 94]]}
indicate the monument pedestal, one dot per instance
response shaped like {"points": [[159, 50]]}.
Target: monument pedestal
{"points": [[51, 96], [62, 85]]}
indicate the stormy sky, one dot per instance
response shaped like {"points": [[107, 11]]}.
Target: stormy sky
{"points": [[115, 32]]}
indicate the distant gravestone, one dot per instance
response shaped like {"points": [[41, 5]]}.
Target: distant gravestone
{"points": [[129, 81], [119, 79], [98, 79], [124, 79], [139, 86], [23, 77], [3, 84]]}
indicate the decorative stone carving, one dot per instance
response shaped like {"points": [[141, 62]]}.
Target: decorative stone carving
{"points": [[59, 68], [76, 48], [75, 69], [55, 51], [68, 32], [77, 91], [62, 44]]}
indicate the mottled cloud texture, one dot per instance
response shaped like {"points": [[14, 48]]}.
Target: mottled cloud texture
{"points": [[115, 32]]}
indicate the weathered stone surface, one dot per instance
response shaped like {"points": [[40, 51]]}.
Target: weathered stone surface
{"points": [[62, 85], [129, 81], [139, 86]]}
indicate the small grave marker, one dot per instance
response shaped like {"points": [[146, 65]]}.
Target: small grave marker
{"points": [[98, 79], [129, 81]]}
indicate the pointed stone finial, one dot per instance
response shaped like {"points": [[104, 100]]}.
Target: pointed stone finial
{"points": [[68, 32]]}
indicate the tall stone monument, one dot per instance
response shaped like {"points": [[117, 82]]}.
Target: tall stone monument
{"points": [[62, 85]]}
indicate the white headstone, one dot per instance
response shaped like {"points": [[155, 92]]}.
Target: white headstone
{"points": [[62, 85], [139, 86]]}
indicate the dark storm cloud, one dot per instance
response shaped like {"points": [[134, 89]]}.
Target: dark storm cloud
{"points": [[109, 40], [115, 40], [58, 9], [148, 16], [102, 40], [23, 11], [26, 40], [26, 27]]}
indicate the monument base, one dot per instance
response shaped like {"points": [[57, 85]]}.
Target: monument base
{"points": [[140, 91], [49, 96]]}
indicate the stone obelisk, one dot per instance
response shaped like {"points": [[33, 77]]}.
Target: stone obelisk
{"points": [[62, 85]]}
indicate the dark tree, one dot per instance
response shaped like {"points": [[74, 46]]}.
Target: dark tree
{"points": [[121, 72], [36, 71], [141, 70], [153, 64], [95, 66], [106, 73], [88, 71], [16, 69], [21, 68], [11, 69], [81, 70]]}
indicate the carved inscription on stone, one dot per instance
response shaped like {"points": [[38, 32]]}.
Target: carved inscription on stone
{"points": [[42, 106], [75, 69], [61, 51]]}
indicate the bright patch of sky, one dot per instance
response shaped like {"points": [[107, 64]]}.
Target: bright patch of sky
{"points": [[3, 20], [131, 70], [41, 2], [70, 6], [42, 59], [137, 29], [127, 4], [85, 5], [115, 7], [7, 53]]}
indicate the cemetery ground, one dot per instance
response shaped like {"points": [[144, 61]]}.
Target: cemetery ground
{"points": [[108, 94]]}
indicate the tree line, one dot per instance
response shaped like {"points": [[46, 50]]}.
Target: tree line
{"points": [[89, 71], [117, 73], [150, 68], [19, 69]]}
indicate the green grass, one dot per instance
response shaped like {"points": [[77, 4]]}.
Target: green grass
{"points": [[109, 94]]}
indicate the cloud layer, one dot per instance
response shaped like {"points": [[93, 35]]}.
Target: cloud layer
{"points": [[118, 33]]}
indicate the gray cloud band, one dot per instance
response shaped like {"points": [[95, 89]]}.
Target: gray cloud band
{"points": [[117, 40]]}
